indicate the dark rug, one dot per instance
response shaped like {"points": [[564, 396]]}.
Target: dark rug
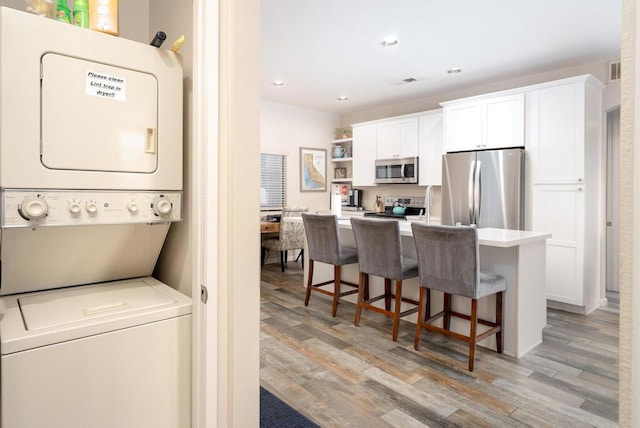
{"points": [[276, 413]]}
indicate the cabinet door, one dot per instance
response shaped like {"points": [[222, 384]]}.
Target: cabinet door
{"points": [[431, 149], [364, 155], [555, 134], [463, 127], [409, 138], [388, 140], [503, 122], [559, 209]]}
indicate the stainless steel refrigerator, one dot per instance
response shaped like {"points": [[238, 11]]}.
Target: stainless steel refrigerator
{"points": [[485, 188]]}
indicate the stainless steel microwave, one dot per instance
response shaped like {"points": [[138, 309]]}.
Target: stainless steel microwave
{"points": [[398, 170]]}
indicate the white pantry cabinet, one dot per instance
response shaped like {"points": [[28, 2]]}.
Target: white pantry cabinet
{"points": [[486, 122], [398, 138], [431, 149], [565, 161], [364, 155]]}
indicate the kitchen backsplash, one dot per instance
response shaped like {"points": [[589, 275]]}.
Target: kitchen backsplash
{"points": [[369, 194]]}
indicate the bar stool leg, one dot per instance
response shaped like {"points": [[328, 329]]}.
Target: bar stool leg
{"points": [[447, 311], [307, 294], [387, 294], [421, 304], [362, 279], [427, 313], [396, 312], [336, 290], [472, 334], [499, 308]]}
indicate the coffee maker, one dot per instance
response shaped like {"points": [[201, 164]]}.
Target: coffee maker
{"points": [[355, 198]]}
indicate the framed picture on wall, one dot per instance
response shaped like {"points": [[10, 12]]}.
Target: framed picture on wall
{"points": [[313, 170]]}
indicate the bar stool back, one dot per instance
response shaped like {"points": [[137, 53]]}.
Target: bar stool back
{"points": [[448, 261], [323, 245], [380, 254]]}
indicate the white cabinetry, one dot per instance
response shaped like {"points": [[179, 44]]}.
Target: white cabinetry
{"points": [[431, 149], [484, 123], [565, 153], [398, 138], [342, 156], [364, 150]]}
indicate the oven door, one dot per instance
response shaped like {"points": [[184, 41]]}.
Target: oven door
{"points": [[397, 171]]}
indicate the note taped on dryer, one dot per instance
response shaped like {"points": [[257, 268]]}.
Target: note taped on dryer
{"points": [[106, 86]]}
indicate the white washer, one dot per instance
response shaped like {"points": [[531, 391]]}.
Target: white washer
{"points": [[100, 356]]}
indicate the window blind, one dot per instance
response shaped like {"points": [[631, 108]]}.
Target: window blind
{"points": [[273, 194]]}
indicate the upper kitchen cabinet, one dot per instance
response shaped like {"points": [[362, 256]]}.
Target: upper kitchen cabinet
{"points": [[487, 122], [431, 149], [364, 150], [398, 138], [563, 123]]}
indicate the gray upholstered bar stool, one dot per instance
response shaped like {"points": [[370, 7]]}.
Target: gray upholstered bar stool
{"points": [[448, 261], [323, 245], [380, 254]]}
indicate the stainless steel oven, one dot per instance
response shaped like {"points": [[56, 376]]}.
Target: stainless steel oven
{"points": [[399, 170]]}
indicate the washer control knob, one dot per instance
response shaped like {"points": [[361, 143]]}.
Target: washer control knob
{"points": [[92, 208], [132, 207], [33, 208], [74, 208], [162, 206]]}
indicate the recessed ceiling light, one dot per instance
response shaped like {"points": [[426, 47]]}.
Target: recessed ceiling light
{"points": [[343, 98], [278, 83], [389, 41], [454, 70]]}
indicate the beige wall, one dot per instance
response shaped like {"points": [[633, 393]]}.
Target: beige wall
{"points": [[283, 130], [629, 300], [599, 70]]}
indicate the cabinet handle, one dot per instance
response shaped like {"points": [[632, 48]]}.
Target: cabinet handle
{"points": [[579, 189], [580, 180]]}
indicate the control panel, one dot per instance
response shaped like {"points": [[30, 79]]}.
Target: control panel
{"points": [[409, 202], [31, 208]]}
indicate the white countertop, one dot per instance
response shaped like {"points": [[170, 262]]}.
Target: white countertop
{"points": [[488, 236]]}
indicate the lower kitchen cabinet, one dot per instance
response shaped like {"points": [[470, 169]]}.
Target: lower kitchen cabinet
{"points": [[572, 256]]}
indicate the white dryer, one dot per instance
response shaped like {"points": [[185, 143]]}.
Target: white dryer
{"points": [[90, 183]]}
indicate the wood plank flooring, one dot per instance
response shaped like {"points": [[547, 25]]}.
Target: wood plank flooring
{"points": [[339, 375]]}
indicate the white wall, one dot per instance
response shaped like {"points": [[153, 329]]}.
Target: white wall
{"points": [[283, 130]]}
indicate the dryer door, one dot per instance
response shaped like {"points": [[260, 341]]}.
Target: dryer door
{"points": [[97, 117]]}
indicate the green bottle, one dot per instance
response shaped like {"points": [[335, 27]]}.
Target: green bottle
{"points": [[62, 12], [81, 13]]}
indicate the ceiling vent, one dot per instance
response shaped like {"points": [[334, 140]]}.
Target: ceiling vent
{"points": [[403, 81], [614, 71]]}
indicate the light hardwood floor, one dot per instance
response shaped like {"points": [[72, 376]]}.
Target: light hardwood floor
{"points": [[340, 375]]}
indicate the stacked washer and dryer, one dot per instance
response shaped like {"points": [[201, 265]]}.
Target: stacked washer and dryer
{"points": [[90, 181]]}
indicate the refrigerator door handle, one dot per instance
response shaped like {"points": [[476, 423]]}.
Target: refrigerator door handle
{"points": [[472, 171], [477, 197]]}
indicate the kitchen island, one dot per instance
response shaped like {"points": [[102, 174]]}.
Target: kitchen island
{"points": [[518, 255]]}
